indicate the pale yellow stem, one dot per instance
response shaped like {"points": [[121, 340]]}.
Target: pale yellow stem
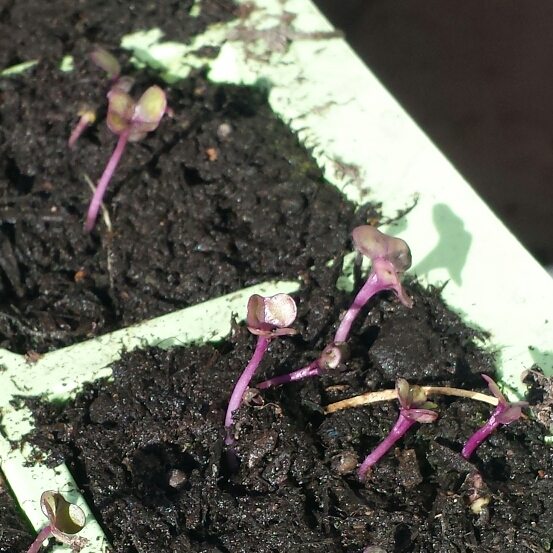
{"points": [[387, 395]]}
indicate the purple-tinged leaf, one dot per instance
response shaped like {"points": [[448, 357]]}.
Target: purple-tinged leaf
{"points": [[511, 414], [374, 244], [123, 83], [403, 391], [148, 113], [271, 316], [424, 416], [120, 111], [106, 61], [494, 389]]}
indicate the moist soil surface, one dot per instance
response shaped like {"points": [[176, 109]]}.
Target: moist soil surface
{"points": [[220, 197], [147, 448]]}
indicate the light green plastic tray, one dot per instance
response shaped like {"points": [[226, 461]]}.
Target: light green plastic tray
{"points": [[372, 151]]}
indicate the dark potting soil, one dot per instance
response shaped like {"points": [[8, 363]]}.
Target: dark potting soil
{"points": [[219, 197], [147, 448], [198, 211], [15, 535]]}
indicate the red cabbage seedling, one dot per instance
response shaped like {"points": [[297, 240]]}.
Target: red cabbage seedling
{"points": [[504, 413], [390, 257], [267, 318], [65, 519], [414, 407], [131, 122], [87, 117], [332, 357], [106, 61]]}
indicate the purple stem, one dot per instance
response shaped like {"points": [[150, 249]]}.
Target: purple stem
{"points": [[398, 430], [243, 381], [42, 535], [104, 180], [84, 121], [312, 369], [373, 285], [484, 431]]}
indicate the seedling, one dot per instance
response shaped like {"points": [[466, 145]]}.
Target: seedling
{"points": [[332, 357], [65, 519], [106, 61], [131, 122], [414, 407], [390, 257], [267, 318], [504, 413]]}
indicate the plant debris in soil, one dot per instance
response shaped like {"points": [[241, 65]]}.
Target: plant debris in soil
{"points": [[195, 207], [147, 448]]}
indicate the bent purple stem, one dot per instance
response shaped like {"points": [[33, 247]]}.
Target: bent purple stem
{"points": [[383, 276], [504, 413], [243, 381], [308, 371], [104, 180], [332, 357], [413, 408], [45, 533], [400, 427], [267, 318]]}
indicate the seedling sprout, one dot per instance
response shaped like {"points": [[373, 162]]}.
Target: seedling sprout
{"points": [[332, 357], [131, 122], [504, 413], [267, 318], [64, 520], [87, 117], [106, 61], [390, 257], [414, 407]]}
